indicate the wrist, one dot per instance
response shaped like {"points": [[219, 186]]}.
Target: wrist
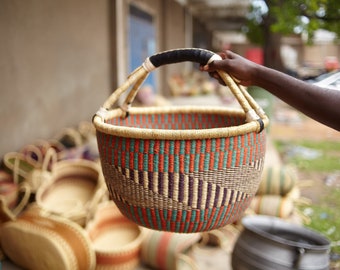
{"points": [[259, 75]]}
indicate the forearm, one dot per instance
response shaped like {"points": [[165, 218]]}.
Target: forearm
{"points": [[320, 104]]}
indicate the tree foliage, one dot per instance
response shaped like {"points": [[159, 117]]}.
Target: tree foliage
{"points": [[287, 17]]}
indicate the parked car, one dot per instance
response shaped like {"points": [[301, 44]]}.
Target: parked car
{"points": [[331, 81]]}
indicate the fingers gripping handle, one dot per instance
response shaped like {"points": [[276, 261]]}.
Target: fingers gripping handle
{"points": [[204, 57], [200, 56]]}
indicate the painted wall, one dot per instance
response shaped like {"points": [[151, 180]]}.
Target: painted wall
{"points": [[54, 66], [60, 60], [174, 31]]}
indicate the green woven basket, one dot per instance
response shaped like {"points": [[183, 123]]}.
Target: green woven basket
{"points": [[181, 169]]}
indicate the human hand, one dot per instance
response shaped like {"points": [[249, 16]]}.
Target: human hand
{"points": [[241, 69]]}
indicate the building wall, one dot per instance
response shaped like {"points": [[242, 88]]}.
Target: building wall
{"points": [[316, 55], [173, 36], [54, 66], [60, 60]]}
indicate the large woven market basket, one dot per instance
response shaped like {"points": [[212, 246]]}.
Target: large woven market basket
{"points": [[181, 169]]}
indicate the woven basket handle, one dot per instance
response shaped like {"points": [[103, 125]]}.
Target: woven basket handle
{"points": [[201, 56]]}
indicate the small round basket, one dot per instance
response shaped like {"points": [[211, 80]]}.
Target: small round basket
{"points": [[181, 168], [73, 190], [116, 240]]}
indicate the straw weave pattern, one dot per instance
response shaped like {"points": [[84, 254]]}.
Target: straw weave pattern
{"points": [[182, 185]]}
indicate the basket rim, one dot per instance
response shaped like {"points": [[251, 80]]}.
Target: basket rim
{"points": [[172, 134]]}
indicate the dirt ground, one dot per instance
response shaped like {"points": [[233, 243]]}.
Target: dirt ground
{"points": [[288, 124]]}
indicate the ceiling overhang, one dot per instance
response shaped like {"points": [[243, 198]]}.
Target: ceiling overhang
{"points": [[219, 15]]}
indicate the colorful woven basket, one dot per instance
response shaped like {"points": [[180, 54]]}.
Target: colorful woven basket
{"points": [[116, 240], [277, 180], [37, 241], [181, 168], [273, 205], [73, 191]]}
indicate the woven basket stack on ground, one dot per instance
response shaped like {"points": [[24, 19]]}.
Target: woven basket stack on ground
{"points": [[48, 188], [278, 193], [57, 208]]}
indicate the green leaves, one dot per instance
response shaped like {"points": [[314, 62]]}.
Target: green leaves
{"points": [[292, 17]]}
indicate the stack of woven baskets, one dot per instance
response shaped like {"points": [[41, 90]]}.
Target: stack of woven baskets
{"points": [[55, 211], [278, 193], [47, 189]]}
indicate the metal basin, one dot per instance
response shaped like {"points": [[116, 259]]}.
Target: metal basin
{"points": [[271, 243]]}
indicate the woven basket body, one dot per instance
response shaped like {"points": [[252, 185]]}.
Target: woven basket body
{"points": [[182, 185], [180, 169]]}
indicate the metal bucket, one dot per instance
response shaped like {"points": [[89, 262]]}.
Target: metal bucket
{"points": [[268, 243]]}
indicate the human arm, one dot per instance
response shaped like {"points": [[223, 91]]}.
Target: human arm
{"points": [[319, 103]]}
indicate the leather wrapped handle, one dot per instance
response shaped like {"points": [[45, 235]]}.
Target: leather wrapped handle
{"points": [[196, 55]]}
